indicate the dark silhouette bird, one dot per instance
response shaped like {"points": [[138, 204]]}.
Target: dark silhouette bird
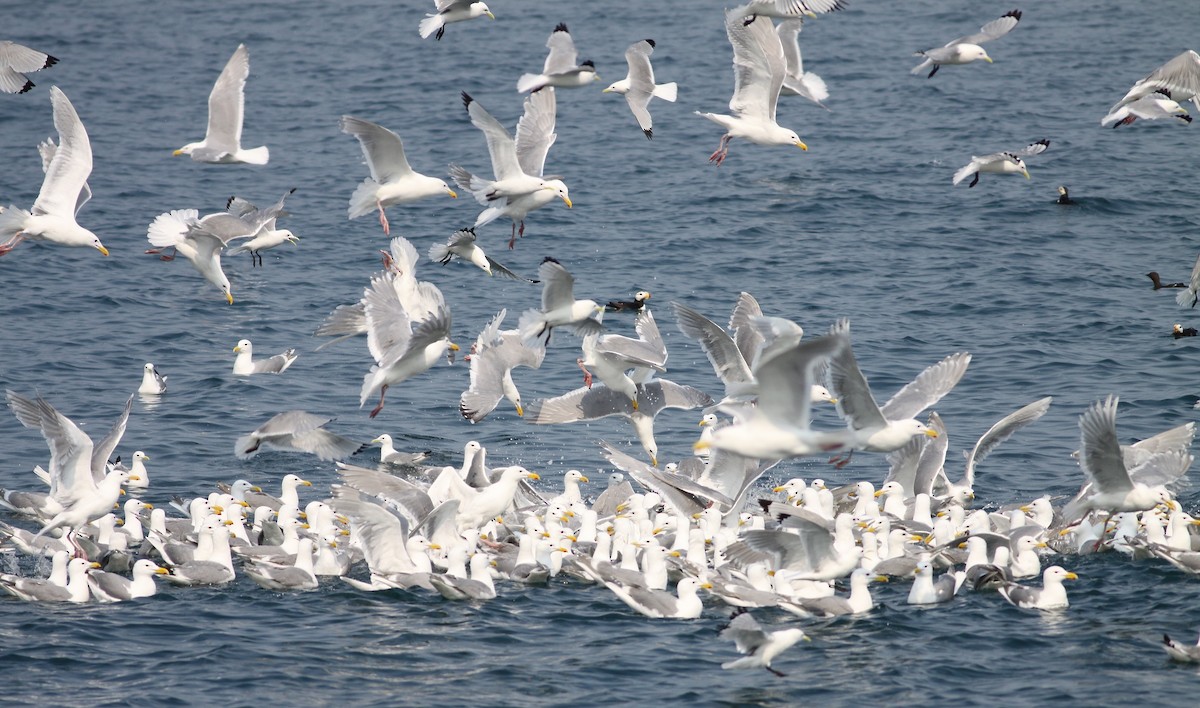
{"points": [[634, 305], [1159, 284], [1178, 331], [1064, 197]]}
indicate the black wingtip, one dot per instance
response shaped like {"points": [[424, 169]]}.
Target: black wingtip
{"points": [[28, 85], [588, 63], [749, 20], [1165, 92], [1185, 118], [466, 99], [548, 259], [651, 42], [561, 27], [1043, 141], [229, 201], [1166, 639], [50, 61], [649, 133], [1015, 14]]}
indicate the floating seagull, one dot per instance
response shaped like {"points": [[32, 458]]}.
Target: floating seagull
{"points": [[535, 135], [759, 645], [1184, 653], [450, 11], [759, 69], [1180, 76], [268, 236], [965, 50], [38, 590], [797, 81], [244, 364], [296, 431], [638, 86], [926, 591], [1051, 596], [462, 245], [110, 587], [15, 61], [392, 180], [685, 604], [493, 357], [559, 306], [401, 348], [1010, 163], [153, 383], [389, 455], [1155, 106], [226, 104], [560, 69], [52, 217]]}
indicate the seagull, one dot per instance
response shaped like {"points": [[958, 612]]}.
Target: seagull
{"points": [[612, 355], [685, 604], [965, 50], [297, 431], [790, 9], [890, 426], [759, 69], [401, 349], [38, 590], [15, 60], [638, 86], [1051, 596], [560, 69], [559, 306], [153, 383], [759, 645], [268, 236], [926, 591], [222, 142], [64, 189], [244, 364], [1180, 76], [1154, 106], [450, 11], [1184, 653], [461, 244], [535, 135], [110, 587], [493, 357], [392, 180], [1112, 489], [1187, 297], [797, 81], [1010, 163], [389, 455]]}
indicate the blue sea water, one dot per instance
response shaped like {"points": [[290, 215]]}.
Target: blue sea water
{"points": [[1050, 300]]}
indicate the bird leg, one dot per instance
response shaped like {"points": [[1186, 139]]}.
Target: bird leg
{"points": [[383, 219], [12, 243], [840, 461], [587, 375], [376, 409], [160, 250], [974, 181], [775, 671], [387, 260], [935, 68], [722, 150]]}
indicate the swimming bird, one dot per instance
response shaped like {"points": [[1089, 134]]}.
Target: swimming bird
{"points": [[926, 591], [461, 245], [685, 604], [477, 587], [559, 69], [451, 11], [1112, 489], [64, 189], [39, 590], [634, 305], [494, 355], [638, 86], [535, 135], [759, 645], [15, 61], [244, 364], [559, 306], [401, 348], [389, 455], [153, 383], [392, 180], [1178, 331], [1180, 76], [296, 431], [1158, 284], [890, 426], [806, 547], [858, 602], [1154, 106], [1183, 653], [222, 142], [797, 81], [110, 587], [965, 50], [1011, 163], [759, 69], [1051, 596], [1064, 196]]}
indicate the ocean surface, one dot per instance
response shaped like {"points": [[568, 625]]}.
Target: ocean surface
{"points": [[1050, 301]]}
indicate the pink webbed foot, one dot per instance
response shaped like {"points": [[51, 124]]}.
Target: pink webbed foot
{"points": [[387, 231], [379, 407], [587, 375]]}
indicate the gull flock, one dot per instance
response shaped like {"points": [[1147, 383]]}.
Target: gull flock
{"points": [[705, 524]]}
